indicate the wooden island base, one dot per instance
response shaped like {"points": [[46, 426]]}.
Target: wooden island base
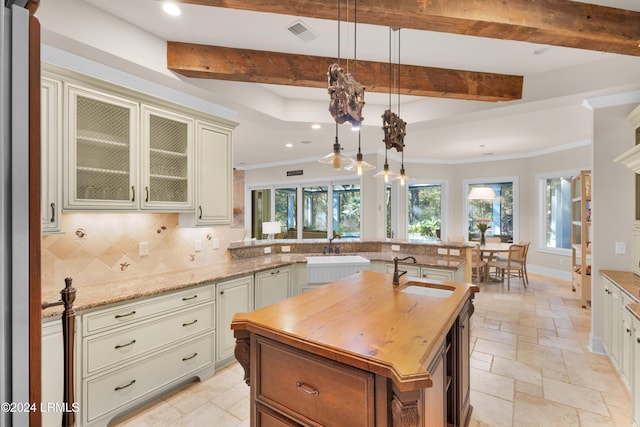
{"points": [[359, 352]]}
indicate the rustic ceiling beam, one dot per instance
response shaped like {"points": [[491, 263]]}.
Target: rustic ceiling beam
{"points": [[553, 22], [245, 65]]}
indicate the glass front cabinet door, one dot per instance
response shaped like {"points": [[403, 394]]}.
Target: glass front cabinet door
{"points": [[167, 153], [101, 151]]}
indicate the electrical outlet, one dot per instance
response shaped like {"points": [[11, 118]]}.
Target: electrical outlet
{"points": [[395, 248], [198, 245], [443, 251], [454, 252], [286, 249], [267, 250], [144, 249]]}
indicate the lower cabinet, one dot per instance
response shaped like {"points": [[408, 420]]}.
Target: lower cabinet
{"points": [[132, 353], [52, 370], [272, 286], [233, 296], [413, 270], [635, 389]]}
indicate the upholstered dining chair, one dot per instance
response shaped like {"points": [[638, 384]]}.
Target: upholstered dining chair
{"points": [[513, 266], [478, 266]]}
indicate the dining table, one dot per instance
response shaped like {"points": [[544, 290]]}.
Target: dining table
{"points": [[492, 250]]}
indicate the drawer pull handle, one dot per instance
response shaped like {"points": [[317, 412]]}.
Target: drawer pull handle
{"points": [[125, 345], [125, 386], [189, 298], [306, 389], [190, 323], [275, 272], [120, 316], [184, 359]]}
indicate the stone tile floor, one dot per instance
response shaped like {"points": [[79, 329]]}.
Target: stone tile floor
{"points": [[530, 366]]}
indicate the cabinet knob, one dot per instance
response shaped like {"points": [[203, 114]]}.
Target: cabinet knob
{"points": [[629, 331], [221, 292]]}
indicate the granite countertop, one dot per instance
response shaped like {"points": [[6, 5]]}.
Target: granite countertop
{"points": [[628, 282], [116, 291]]}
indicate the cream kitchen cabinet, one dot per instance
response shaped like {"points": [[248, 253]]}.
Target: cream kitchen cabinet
{"points": [[414, 270], [101, 150], [52, 366], [635, 389], [272, 286], [51, 155], [112, 166], [213, 176], [134, 352], [233, 296], [167, 160]]}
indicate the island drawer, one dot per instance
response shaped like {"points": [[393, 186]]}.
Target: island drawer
{"points": [[131, 312], [122, 344], [312, 389]]}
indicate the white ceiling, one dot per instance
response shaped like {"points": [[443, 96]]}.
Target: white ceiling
{"points": [[550, 116]]}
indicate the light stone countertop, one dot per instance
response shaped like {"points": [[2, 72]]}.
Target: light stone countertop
{"points": [[100, 294]]}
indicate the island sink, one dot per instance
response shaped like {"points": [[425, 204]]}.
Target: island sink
{"points": [[428, 289]]}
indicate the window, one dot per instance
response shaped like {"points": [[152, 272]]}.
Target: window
{"points": [[314, 212], [286, 211], [499, 212], [555, 218], [346, 210], [424, 211]]}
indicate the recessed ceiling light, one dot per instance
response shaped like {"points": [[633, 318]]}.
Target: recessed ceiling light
{"points": [[289, 145], [171, 8], [315, 126]]}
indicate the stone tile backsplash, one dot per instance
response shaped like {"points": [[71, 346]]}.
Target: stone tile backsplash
{"points": [[97, 247]]}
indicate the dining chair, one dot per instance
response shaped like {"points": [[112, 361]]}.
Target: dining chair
{"points": [[524, 261], [479, 270], [513, 266]]}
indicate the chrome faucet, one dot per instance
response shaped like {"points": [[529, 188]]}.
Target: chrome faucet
{"points": [[397, 273], [330, 249]]}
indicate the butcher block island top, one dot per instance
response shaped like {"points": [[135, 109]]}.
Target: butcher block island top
{"points": [[365, 326]]}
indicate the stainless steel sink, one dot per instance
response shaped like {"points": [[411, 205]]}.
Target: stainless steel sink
{"points": [[428, 289]]}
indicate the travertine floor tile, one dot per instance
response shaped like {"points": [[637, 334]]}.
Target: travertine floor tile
{"points": [[535, 411], [575, 396], [530, 366]]}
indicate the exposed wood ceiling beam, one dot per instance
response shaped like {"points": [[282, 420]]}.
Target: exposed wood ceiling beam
{"points": [[212, 62], [553, 22]]}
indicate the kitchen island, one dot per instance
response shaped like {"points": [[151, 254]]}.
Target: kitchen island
{"points": [[360, 352]]}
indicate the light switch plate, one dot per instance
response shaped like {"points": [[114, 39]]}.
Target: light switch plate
{"points": [[621, 248], [454, 252], [198, 245], [267, 250], [395, 248], [286, 249], [443, 251]]}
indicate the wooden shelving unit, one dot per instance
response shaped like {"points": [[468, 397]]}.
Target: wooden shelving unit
{"points": [[581, 236]]}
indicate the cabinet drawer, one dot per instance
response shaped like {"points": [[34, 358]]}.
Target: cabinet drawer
{"points": [[266, 418], [312, 389], [128, 313], [108, 392], [437, 274], [412, 270], [104, 350]]}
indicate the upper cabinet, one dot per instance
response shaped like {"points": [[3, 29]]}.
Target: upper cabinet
{"points": [[129, 151], [167, 155], [51, 152], [214, 183], [101, 151]]}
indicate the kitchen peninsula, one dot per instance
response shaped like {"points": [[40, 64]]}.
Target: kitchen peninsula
{"points": [[360, 351]]}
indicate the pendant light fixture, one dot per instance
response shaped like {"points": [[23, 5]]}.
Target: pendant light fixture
{"points": [[359, 165], [482, 192], [347, 100], [392, 125]]}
